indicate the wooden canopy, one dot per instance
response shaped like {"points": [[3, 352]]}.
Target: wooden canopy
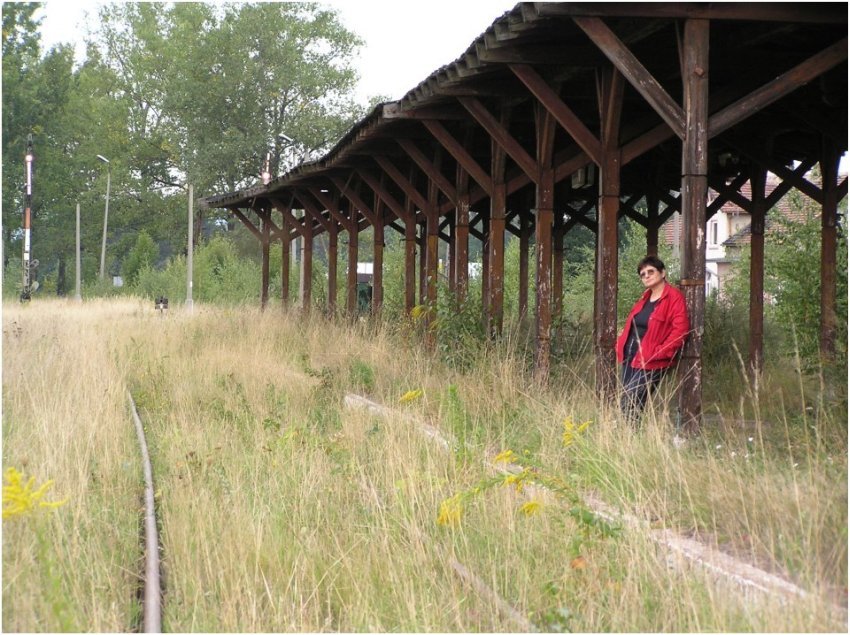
{"points": [[565, 114]]}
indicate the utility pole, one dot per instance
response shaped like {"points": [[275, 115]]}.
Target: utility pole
{"points": [[77, 295], [105, 216], [28, 264], [189, 301]]}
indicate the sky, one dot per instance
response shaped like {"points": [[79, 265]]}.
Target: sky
{"points": [[390, 62]]}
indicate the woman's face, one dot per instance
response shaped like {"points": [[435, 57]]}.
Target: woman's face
{"points": [[650, 276]]}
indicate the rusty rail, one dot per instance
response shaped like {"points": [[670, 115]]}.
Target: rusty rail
{"points": [[151, 607]]}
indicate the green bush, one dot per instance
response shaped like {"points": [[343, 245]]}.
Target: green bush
{"points": [[143, 254]]}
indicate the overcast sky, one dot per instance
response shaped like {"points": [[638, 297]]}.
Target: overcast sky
{"points": [[405, 41]]}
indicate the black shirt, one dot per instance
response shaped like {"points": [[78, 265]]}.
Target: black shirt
{"points": [[637, 329]]}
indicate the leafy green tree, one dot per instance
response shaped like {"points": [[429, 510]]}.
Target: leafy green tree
{"points": [[215, 87], [792, 280], [20, 49], [143, 254]]}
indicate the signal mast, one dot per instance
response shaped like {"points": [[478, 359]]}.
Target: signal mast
{"points": [[29, 264]]}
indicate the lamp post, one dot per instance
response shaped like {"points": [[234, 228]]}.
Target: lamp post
{"points": [[105, 217]]}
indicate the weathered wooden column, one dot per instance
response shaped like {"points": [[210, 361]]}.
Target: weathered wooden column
{"points": [[545, 217], [829, 222], [608, 210], [351, 275], [758, 177], [694, 192], [558, 236], [265, 243], [450, 257], [485, 271], [307, 266], [378, 260], [333, 251], [652, 225], [409, 262], [285, 244], [498, 208], [423, 262], [432, 259], [524, 240], [460, 263]]}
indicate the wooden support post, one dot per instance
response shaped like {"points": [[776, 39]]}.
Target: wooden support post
{"points": [[378, 261], [431, 264], [829, 222], [284, 265], [758, 209], [266, 243], [608, 210], [461, 253], [558, 266], [451, 255], [307, 267], [333, 252], [409, 264], [423, 263], [652, 225], [351, 280], [694, 192], [485, 272], [498, 205], [524, 236], [545, 216]]}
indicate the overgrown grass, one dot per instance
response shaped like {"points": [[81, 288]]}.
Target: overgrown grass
{"points": [[282, 510]]}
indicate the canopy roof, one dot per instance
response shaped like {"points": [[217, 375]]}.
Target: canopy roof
{"points": [[778, 90]]}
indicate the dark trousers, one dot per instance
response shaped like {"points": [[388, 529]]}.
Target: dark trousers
{"points": [[637, 384]]}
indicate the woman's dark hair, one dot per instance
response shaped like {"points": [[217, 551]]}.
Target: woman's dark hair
{"points": [[651, 261]]}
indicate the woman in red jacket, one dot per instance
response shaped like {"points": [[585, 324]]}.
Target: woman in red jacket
{"points": [[652, 336]]}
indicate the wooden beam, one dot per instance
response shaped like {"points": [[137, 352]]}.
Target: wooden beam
{"points": [[406, 186], [812, 13], [348, 192], [694, 191], [550, 99], [332, 206], [608, 208], [248, 224], [428, 168], [311, 208], [778, 88], [798, 180], [758, 211], [460, 154], [386, 197], [637, 75], [830, 156], [501, 135]]}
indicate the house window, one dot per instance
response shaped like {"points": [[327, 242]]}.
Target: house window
{"points": [[712, 233]]}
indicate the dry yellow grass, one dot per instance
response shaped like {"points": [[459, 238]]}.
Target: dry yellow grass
{"points": [[281, 510]]}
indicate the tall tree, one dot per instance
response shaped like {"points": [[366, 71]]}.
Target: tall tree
{"points": [[20, 50], [216, 88]]}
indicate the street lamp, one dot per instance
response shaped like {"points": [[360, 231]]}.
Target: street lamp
{"points": [[105, 217]]}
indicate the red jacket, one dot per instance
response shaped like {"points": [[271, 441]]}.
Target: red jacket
{"points": [[665, 335]]}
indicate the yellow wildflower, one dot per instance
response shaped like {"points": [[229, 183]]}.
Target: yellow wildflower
{"points": [[571, 430], [516, 479], [450, 512], [20, 498], [418, 311], [411, 395], [531, 507], [507, 456]]}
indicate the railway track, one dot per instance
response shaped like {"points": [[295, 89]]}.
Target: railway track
{"points": [[151, 580]]}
